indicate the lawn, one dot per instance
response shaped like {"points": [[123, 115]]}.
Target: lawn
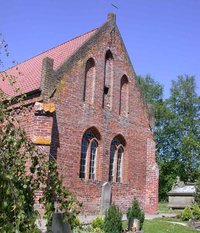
{"points": [[157, 225], [163, 208], [162, 226]]}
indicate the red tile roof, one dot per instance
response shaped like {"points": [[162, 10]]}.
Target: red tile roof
{"points": [[28, 73]]}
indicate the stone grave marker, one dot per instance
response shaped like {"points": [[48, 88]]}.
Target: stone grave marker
{"points": [[58, 226], [105, 197]]}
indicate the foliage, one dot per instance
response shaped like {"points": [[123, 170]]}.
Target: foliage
{"points": [[160, 225], [25, 170], [88, 230], [196, 212], [197, 193], [179, 138], [151, 90], [177, 130], [167, 177], [186, 214], [135, 212], [98, 223], [16, 188], [113, 220], [191, 213]]}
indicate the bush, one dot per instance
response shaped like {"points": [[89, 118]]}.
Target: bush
{"points": [[113, 220], [135, 212], [98, 224], [186, 214], [196, 212]]}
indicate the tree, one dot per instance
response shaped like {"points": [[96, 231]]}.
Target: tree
{"points": [[183, 128], [153, 95], [24, 170], [179, 141], [177, 130], [151, 90]]}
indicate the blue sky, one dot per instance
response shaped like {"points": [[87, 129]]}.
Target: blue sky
{"points": [[162, 36]]}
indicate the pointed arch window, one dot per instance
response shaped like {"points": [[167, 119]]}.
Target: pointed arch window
{"points": [[108, 80], [119, 164], [124, 93], [84, 148], [116, 160], [93, 152], [89, 148], [89, 83]]}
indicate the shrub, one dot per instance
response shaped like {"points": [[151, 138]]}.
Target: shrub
{"points": [[186, 214], [135, 212], [196, 212], [98, 224], [113, 220]]}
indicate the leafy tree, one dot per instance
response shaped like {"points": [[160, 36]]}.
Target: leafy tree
{"points": [[24, 170], [151, 90], [182, 129], [176, 131], [153, 96]]}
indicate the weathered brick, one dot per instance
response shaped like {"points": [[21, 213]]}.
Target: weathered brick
{"points": [[95, 103]]}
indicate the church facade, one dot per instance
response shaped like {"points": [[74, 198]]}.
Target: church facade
{"points": [[85, 108]]}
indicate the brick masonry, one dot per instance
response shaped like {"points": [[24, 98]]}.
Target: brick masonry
{"points": [[64, 128]]}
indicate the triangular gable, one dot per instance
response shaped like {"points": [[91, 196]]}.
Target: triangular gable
{"points": [[28, 74]]}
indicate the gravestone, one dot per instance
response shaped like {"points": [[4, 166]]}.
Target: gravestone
{"points": [[134, 225], [181, 195], [105, 197], [58, 226]]}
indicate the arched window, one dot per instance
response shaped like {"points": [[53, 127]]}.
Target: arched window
{"points": [[116, 160], [89, 84], [124, 92], [89, 148], [119, 164], [93, 151], [108, 80], [112, 154], [84, 148]]}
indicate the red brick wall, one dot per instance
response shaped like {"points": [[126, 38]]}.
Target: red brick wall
{"points": [[73, 116]]}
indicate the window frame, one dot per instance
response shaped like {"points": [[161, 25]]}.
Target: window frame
{"points": [[116, 169], [90, 159]]}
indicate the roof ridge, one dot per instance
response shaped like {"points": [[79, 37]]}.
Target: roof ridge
{"points": [[56, 46]]}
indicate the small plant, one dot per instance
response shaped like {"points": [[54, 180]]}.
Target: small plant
{"points": [[135, 212], [98, 224], [113, 220], [196, 212], [186, 214]]}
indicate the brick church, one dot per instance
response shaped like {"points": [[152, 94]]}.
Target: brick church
{"points": [[84, 106]]}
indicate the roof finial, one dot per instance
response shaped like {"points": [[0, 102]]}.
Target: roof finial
{"points": [[111, 17]]}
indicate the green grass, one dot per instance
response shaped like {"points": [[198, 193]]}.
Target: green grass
{"points": [[163, 208], [156, 226], [161, 226]]}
